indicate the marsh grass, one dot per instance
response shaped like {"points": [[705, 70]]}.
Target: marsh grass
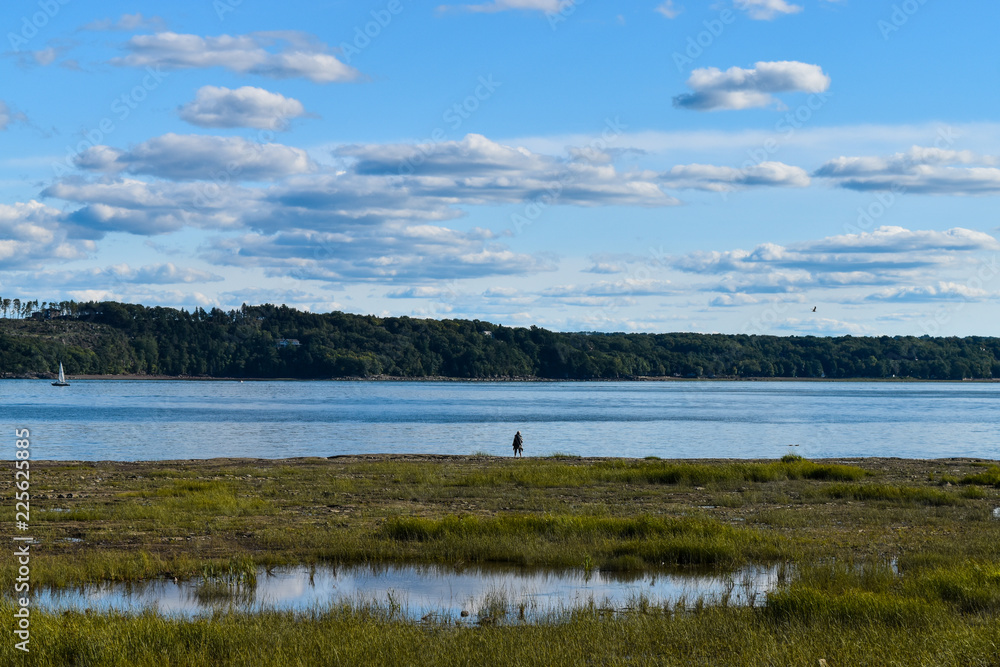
{"points": [[893, 494], [989, 477], [846, 593], [374, 634], [613, 543], [655, 471]]}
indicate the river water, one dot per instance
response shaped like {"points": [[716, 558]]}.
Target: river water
{"points": [[155, 420]]}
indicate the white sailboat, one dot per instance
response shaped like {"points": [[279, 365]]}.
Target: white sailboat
{"points": [[61, 382]]}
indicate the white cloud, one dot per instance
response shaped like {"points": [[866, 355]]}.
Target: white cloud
{"points": [[621, 288], [723, 179], [194, 157], [121, 274], [942, 291], [668, 9], [919, 170], [296, 57], [547, 6], [422, 292], [478, 170], [32, 234], [162, 274], [605, 268], [738, 88], [889, 257], [387, 254], [884, 249], [765, 10], [215, 106]]}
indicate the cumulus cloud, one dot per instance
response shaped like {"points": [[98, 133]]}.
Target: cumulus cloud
{"points": [[138, 207], [942, 291], [849, 258], [738, 88], [765, 10], [32, 234], [292, 55], [216, 106], [375, 216], [478, 170], [372, 190], [162, 274], [193, 157], [723, 179], [889, 257], [920, 170], [389, 254], [120, 274]]}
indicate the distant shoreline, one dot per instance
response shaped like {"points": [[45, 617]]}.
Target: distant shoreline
{"points": [[386, 378]]}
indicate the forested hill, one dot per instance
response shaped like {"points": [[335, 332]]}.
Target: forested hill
{"points": [[271, 341]]}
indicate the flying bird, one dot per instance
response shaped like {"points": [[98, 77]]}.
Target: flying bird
{"points": [[814, 309]]}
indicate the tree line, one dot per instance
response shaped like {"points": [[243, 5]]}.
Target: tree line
{"points": [[269, 341], [26, 308]]}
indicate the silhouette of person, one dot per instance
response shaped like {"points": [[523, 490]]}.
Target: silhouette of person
{"points": [[518, 444]]}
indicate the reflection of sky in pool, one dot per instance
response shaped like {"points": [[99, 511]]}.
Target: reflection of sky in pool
{"points": [[424, 589]]}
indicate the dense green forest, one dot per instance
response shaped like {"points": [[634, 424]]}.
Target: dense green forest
{"points": [[276, 341]]}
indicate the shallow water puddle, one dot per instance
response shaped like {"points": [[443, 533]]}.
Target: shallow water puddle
{"points": [[416, 591]]}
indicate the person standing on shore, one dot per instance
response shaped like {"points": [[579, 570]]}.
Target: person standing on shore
{"points": [[518, 444]]}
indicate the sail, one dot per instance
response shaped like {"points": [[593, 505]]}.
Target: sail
{"points": [[62, 376]]}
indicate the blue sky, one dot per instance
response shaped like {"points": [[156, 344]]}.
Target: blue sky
{"points": [[760, 166]]}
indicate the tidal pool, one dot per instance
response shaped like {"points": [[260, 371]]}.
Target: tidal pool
{"points": [[418, 591]]}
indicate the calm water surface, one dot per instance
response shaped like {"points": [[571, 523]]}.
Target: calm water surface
{"points": [[419, 590], [150, 420]]}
